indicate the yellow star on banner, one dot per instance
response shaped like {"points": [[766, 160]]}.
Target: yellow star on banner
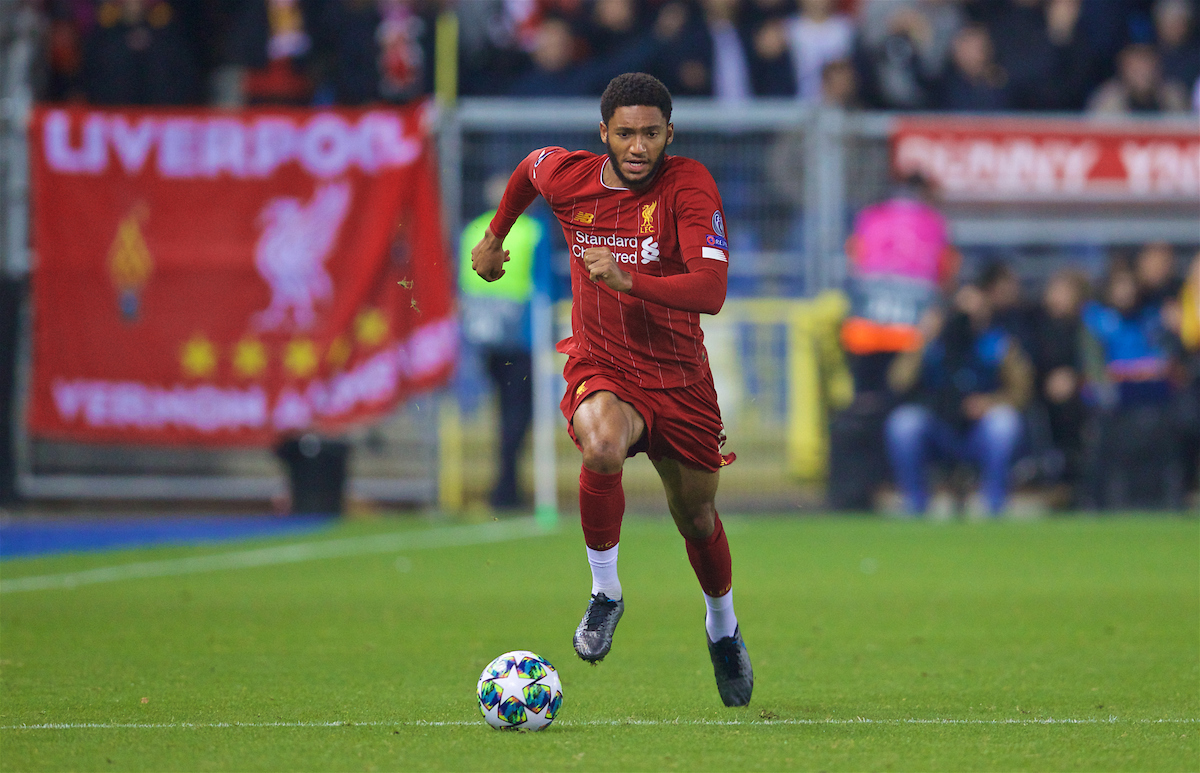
{"points": [[249, 357], [198, 357], [339, 352], [370, 327], [300, 357]]}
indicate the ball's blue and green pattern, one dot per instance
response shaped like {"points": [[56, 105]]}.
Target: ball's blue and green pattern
{"points": [[501, 665], [512, 713], [519, 691], [531, 668], [537, 697], [489, 695]]}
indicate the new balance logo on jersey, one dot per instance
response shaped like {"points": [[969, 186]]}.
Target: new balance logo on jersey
{"points": [[649, 250]]}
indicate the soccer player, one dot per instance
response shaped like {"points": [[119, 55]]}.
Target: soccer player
{"points": [[649, 255]]}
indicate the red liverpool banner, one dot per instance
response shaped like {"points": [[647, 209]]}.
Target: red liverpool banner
{"points": [[217, 278], [1015, 160]]}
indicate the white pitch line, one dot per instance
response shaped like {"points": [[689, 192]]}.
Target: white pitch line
{"points": [[452, 536], [597, 723]]}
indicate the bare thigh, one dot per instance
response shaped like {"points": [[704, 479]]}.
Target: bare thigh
{"points": [[606, 428]]}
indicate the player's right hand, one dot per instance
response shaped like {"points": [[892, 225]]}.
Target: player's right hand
{"points": [[489, 256], [602, 267]]}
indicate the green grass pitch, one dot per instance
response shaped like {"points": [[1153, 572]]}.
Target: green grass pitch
{"points": [[1063, 644]]}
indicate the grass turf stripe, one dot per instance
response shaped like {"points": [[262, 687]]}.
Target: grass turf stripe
{"points": [[453, 536], [599, 723]]}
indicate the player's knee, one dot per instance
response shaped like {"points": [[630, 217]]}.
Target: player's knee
{"points": [[697, 522], [602, 454]]}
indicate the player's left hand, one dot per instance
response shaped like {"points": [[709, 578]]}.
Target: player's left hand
{"points": [[602, 267]]}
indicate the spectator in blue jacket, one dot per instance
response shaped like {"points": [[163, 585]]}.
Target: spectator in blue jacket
{"points": [[1136, 359], [966, 382], [1136, 460]]}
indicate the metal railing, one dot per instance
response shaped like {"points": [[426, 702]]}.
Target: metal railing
{"points": [[791, 177]]}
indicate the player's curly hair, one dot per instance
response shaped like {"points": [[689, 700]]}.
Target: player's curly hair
{"points": [[635, 89]]}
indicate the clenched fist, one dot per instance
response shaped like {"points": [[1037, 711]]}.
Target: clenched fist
{"points": [[602, 267], [489, 256]]}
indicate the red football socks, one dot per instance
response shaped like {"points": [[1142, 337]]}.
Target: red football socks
{"points": [[711, 561], [601, 507]]}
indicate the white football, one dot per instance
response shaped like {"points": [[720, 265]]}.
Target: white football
{"points": [[519, 691]]}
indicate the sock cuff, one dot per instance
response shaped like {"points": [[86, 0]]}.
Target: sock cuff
{"points": [[598, 483], [724, 601], [605, 555]]}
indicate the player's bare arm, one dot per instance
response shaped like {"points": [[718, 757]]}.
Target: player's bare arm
{"points": [[489, 256], [602, 267]]}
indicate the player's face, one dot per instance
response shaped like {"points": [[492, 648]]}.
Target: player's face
{"points": [[637, 138]]}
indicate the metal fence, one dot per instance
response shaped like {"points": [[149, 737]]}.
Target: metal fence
{"points": [[791, 177]]}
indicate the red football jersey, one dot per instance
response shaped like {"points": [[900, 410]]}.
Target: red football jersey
{"points": [[674, 227]]}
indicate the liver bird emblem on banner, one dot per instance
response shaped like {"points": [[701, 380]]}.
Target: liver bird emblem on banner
{"points": [[295, 242]]}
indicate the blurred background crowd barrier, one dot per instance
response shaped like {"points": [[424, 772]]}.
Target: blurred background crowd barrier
{"points": [[1053, 135]]}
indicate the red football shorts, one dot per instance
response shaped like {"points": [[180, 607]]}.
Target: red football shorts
{"points": [[683, 424]]}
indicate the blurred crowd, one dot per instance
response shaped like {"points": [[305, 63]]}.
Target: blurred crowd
{"points": [[237, 52], [1088, 388], [977, 55]]}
